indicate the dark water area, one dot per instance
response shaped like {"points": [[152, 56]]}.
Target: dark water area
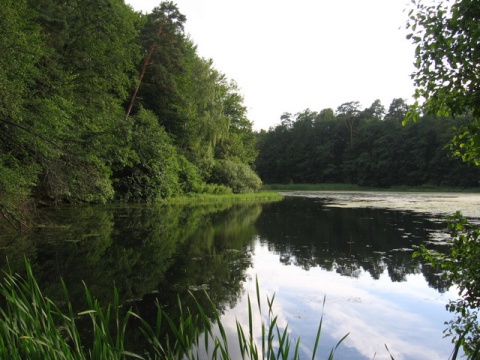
{"points": [[303, 249], [308, 234], [136, 248]]}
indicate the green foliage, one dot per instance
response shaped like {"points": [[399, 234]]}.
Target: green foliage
{"points": [[66, 74], [216, 189], [189, 177], [371, 152], [239, 177], [460, 266], [153, 173], [446, 36], [16, 183], [466, 142], [20, 39], [239, 143]]}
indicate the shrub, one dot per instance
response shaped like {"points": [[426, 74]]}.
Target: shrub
{"points": [[215, 189], [154, 172], [238, 176], [189, 177]]}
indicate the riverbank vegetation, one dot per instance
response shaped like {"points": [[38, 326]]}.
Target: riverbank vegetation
{"points": [[103, 103], [258, 197]]}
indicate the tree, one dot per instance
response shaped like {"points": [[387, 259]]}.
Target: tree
{"points": [[326, 115], [240, 141], [153, 173], [349, 112], [446, 35], [164, 19], [286, 120], [21, 42], [72, 118], [375, 111], [397, 110], [447, 55], [309, 148], [75, 126]]}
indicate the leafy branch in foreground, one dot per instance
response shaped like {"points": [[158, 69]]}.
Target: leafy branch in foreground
{"points": [[34, 327], [461, 266]]}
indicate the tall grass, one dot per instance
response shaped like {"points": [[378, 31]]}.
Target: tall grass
{"points": [[263, 196], [34, 327]]}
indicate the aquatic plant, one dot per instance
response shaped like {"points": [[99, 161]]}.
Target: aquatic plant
{"points": [[34, 327]]}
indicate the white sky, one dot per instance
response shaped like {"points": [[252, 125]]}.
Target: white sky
{"points": [[288, 56]]}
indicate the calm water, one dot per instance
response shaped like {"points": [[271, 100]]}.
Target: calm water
{"points": [[354, 249]]}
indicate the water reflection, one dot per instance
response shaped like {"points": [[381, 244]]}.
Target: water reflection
{"points": [[307, 233], [361, 260], [301, 248], [407, 316], [137, 248]]}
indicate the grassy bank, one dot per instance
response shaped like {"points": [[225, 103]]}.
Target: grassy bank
{"points": [[262, 196], [34, 327], [353, 187]]}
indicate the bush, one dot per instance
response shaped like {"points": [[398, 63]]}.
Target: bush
{"points": [[238, 176], [189, 177], [16, 184], [154, 172], [215, 189]]}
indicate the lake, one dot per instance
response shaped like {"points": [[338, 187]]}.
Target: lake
{"points": [[344, 256]]}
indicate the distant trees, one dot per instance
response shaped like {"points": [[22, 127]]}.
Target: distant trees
{"points": [[349, 114], [362, 146]]}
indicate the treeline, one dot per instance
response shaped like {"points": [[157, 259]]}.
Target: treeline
{"points": [[99, 102], [368, 147]]}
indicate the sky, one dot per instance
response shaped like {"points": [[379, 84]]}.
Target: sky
{"points": [[291, 56]]}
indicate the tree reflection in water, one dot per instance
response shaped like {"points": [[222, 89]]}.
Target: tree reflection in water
{"points": [[162, 253], [308, 233]]}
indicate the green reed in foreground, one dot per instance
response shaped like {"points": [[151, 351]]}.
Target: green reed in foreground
{"points": [[34, 327]]}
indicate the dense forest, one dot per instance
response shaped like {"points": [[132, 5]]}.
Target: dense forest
{"points": [[99, 103], [368, 147]]}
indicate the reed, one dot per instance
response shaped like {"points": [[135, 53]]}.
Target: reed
{"points": [[34, 327]]}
